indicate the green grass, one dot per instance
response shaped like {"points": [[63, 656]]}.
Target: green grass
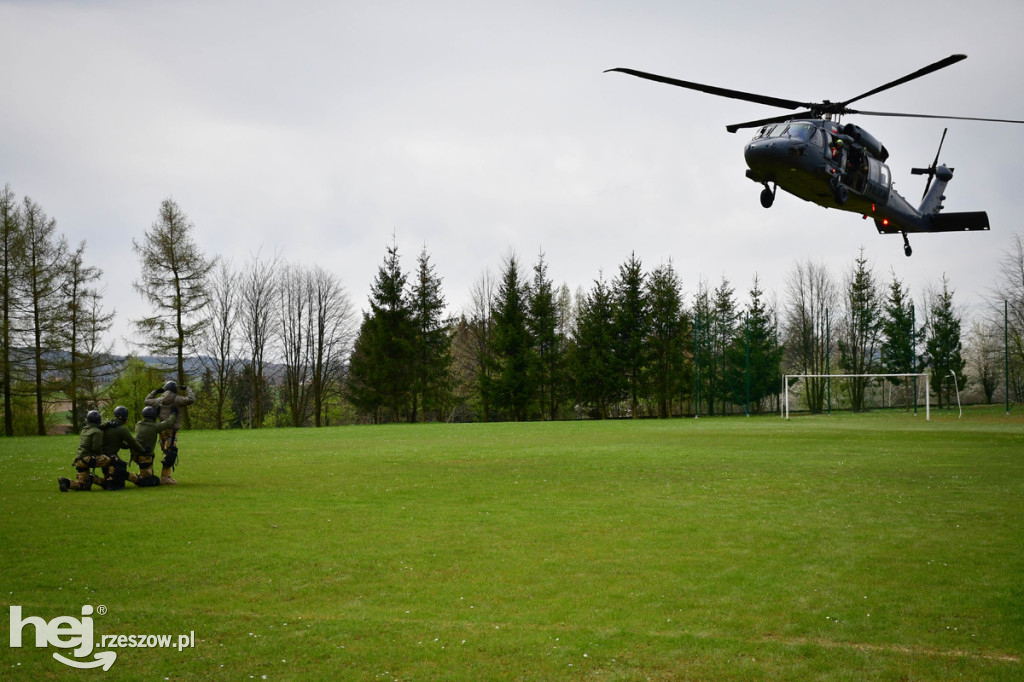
{"points": [[848, 547]]}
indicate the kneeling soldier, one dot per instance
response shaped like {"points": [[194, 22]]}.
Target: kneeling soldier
{"points": [[115, 437], [90, 455], [146, 432]]}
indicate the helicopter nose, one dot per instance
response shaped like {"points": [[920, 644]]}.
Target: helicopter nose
{"points": [[765, 157]]}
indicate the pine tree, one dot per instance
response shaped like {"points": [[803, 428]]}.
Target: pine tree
{"points": [[431, 341], [666, 370], [548, 344], [596, 374], [861, 331], [944, 346], [380, 369], [703, 350], [899, 332], [755, 357], [512, 386], [720, 329], [632, 319]]}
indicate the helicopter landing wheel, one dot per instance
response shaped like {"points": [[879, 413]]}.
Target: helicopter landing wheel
{"points": [[906, 246], [767, 197], [841, 194]]}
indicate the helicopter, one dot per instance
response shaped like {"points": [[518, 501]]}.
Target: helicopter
{"points": [[811, 155]]}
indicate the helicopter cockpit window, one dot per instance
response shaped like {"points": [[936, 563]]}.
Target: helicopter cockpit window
{"points": [[818, 138], [800, 131]]}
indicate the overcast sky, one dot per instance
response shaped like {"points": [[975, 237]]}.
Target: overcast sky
{"points": [[319, 130]]}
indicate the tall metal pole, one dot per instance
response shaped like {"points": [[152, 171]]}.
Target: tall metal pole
{"points": [[1006, 351]]}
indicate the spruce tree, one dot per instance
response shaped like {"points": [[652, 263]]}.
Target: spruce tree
{"points": [[899, 333], [595, 366], [632, 318], [944, 346], [511, 386], [861, 330], [380, 369], [548, 346], [667, 329], [755, 357], [431, 341]]}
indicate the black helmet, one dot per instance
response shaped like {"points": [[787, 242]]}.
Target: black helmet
{"points": [[121, 412], [171, 386], [150, 412], [94, 417]]}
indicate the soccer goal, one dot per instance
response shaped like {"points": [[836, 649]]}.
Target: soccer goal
{"points": [[785, 387]]}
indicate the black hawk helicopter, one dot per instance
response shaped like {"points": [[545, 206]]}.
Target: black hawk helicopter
{"points": [[811, 155]]}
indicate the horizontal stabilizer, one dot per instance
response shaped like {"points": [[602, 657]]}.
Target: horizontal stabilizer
{"points": [[969, 221]]}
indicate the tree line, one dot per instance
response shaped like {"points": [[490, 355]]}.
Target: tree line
{"points": [[272, 343]]}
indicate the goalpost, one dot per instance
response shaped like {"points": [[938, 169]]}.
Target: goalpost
{"points": [[786, 378]]}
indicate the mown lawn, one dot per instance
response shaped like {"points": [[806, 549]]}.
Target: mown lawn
{"points": [[849, 547]]}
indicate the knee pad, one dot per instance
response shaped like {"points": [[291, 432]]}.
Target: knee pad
{"points": [[170, 457], [147, 481], [117, 474]]}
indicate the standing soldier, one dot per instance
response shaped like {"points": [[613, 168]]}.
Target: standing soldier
{"points": [[115, 437], [166, 398], [90, 455], [146, 432]]}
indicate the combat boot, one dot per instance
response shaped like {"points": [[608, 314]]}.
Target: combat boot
{"points": [[64, 483], [166, 478]]}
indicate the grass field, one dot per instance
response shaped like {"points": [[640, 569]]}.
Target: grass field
{"points": [[848, 547]]}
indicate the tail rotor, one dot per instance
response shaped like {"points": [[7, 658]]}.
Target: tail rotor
{"points": [[930, 170]]}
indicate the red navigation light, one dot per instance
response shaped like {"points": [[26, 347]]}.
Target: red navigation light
{"points": [[885, 222]]}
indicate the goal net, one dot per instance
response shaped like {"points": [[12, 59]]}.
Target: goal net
{"points": [[874, 382]]}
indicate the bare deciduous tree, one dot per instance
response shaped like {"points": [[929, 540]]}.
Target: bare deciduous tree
{"points": [[812, 295], [257, 317], [218, 342]]}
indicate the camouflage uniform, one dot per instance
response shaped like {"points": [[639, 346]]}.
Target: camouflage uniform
{"points": [[90, 455], [168, 400], [115, 437], [146, 433]]}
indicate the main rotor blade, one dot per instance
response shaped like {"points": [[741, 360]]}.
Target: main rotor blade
{"points": [[712, 90], [941, 64], [955, 118], [765, 121]]}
